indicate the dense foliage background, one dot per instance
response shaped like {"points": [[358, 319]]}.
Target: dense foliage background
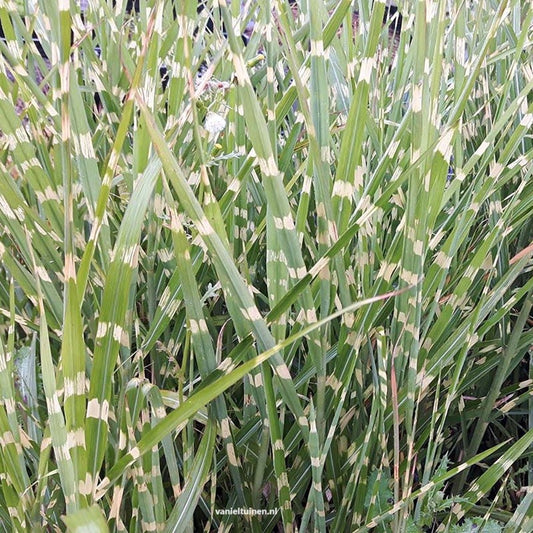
{"points": [[291, 274]]}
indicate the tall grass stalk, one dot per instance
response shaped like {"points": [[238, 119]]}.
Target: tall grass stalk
{"points": [[275, 285]]}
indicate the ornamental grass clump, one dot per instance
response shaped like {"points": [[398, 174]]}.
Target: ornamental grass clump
{"points": [[272, 283]]}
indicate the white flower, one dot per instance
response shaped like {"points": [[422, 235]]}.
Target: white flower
{"points": [[214, 123]]}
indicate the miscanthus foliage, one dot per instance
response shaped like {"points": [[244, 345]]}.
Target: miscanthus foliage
{"points": [[289, 277]]}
